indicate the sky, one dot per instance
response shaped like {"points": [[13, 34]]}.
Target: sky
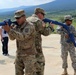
{"points": [[16, 3]]}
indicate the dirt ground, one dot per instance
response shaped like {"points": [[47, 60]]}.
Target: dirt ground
{"points": [[52, 53]]}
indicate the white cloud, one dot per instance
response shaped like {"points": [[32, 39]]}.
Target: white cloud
{"points": [[17, 3]]}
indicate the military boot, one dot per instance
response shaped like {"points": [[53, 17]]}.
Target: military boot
{"points": [[65, 72], [74, 72]]}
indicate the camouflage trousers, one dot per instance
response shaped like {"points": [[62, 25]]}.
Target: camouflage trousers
{"points": [[65, 49], [25, 65], [40, 64]]}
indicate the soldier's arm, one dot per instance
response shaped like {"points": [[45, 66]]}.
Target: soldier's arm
{"points": [[25, 34], [48, 29], [74, 31], [44, 29], [60, 30], [29, 32], [11, 34]]}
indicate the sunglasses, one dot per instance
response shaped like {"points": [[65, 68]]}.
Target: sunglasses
{"points": [[17, 17], [43, 14], [68, 20]]}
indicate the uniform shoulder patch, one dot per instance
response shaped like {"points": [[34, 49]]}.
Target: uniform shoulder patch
{"points": [[27, 29]]}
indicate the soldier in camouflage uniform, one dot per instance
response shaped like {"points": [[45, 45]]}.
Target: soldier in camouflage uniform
{"points": [[67, 46], [24, 33], [41, 29]]}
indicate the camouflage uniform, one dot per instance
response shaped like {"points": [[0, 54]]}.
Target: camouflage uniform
{"points": [[25, 54], [40, 30], [67, 47]]}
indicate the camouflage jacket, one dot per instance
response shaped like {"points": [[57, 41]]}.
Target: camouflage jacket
{"points": [[63, 32], [25, 38], [40, 30]]}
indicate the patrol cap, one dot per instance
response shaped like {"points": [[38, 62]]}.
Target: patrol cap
{"points": [[19, 13], [39, 10], [68, 17]]}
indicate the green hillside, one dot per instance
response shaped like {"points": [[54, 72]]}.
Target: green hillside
{"points": [[54, 10]]}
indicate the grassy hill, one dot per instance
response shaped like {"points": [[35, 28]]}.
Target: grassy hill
{"points": [[54, 7], [55, 10]]}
